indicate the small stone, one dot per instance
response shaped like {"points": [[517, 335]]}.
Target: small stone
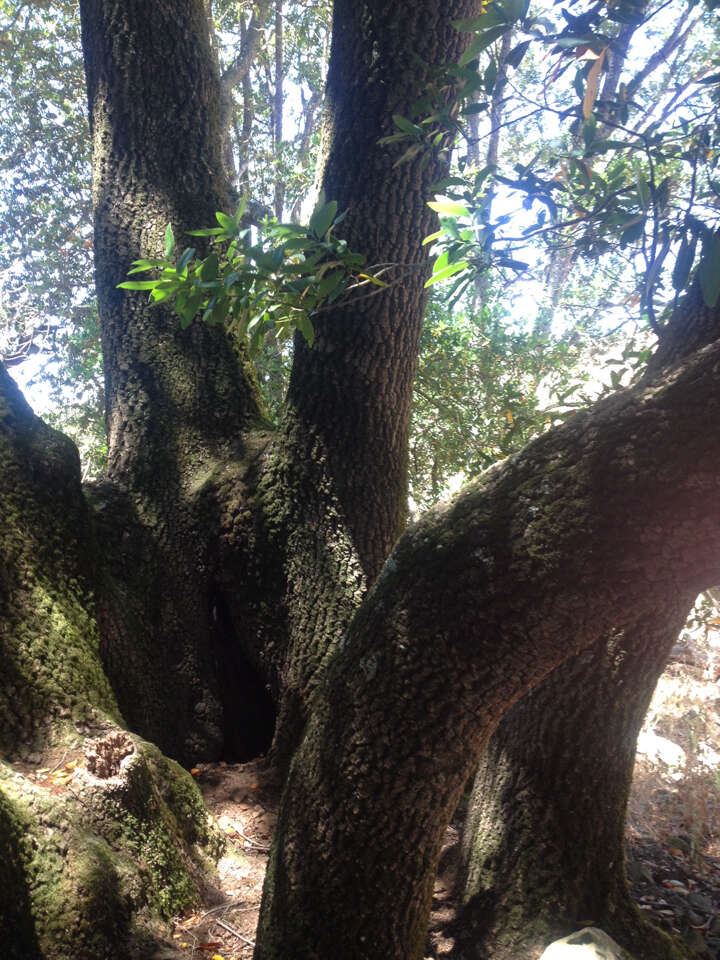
{"points": [[588, 944], [700, 902]]}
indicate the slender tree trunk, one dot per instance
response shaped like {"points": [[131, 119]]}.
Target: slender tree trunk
{"points": [[497, 109], [347, 486], [543, 844], [277, 111]]}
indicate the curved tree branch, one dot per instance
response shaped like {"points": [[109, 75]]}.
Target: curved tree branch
{"points": [[551, 550]]}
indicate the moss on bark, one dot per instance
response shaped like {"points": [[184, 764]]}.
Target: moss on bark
{"points": [[96, 866], [90, 867]]}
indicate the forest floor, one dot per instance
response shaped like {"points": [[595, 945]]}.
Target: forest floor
{"points": [[673, 836]]}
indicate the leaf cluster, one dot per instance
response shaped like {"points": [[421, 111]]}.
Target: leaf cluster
{"points": [[273, 283], [623, 177]]}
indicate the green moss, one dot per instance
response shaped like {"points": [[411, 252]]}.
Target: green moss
{"points": [[92, 872]]}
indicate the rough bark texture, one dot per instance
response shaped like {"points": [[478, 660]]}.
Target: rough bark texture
{"points": [[227, 557], [543, 844], [86, 870], [569, 542], [45, 602], [543, 841], [181, 409], [343, 451]]}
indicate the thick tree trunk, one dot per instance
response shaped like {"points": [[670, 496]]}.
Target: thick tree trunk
{"points": [[184, 432], [543, 844], [589, 530], [543, 840], [223, 552]]}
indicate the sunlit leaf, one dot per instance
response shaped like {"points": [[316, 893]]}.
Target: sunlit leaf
{"points": [[449, 208], [448, 271]]}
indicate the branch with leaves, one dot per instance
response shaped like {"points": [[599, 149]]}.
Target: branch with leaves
{"points": [[273, 284]]}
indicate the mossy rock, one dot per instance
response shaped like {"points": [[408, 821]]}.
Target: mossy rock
{"points": [[95, 867]]}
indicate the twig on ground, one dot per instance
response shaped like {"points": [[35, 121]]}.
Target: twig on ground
{"points": [[234, 932]]}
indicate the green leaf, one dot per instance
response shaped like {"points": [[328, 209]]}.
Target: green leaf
{"points": [[473, 108], [304, 325], [412, 151], [579, 83], [226, 222], [169, 242], [514, 9], [141, 265], [161, 293], [643, 187], [207, 232], [187, 307], [490, 77], [219, 312], [329, 282], [322, 218], [431, 238], [483, 40], [589, 130], [447, 272], [209, 268], [514, 58], [683, 263], [493, 16], [449, 208], [406, 125], [632, 233], [185, 259], [138, 284]]}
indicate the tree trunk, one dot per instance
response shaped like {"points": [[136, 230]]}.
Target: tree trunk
{"points": [[226, 557], [543, 844], [578, 538], [543, 840], [184, 432], [343, 452]]}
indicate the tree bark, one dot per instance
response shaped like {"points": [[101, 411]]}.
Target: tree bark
{"points": [[86, 869], [543, 843], [543, 840], [571, 541], [343, 451], [226, 555], [184, 430]]}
